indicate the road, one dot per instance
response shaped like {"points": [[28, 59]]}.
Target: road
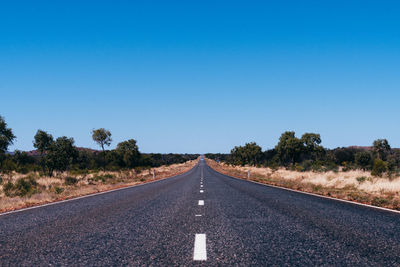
{"points": [[164, 224]]}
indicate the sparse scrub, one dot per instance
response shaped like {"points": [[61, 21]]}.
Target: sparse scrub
{"points": [[22, 187], [361, 179], [70, 180], [37, 188], [354, 185], [58, 190], [380, 167]]}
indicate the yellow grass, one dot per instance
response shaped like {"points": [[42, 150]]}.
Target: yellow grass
{"points": [[86, 185]]}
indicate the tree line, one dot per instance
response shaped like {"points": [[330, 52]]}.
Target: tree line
{"points": [[60, 154], [306, 153]]}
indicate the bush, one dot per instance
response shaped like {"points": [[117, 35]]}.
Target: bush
{"points": [[307, 165], [58, 190], [70, 180], [379, 168], [22, 187], [361, 179], [7, 188], [102, 178], [379, 201], [363, 159], [1, 180]]}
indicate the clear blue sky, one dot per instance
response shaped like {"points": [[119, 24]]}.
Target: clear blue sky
{"points": [[201, 76]]}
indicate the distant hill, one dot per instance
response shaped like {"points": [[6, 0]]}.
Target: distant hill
{"points": [[362, 147]]}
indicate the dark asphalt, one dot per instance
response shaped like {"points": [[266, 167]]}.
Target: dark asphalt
{"points": [[246, 224]]}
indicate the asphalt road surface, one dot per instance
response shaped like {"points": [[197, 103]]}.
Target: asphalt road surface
{"points": [[165, 223]]}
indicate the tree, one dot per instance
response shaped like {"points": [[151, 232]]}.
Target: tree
{"points": [[6, 136], [344, 154], [129, 153], [22, 158], [311, 143], [61, 154], [289, 147], [381, 148], [363, 159], [249, 154], [42, 141], [103, 138]]}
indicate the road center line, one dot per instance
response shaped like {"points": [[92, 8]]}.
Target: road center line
{"points": [[198, 215], [201, 185], [201, 202], [201, 191], [200, 251]]}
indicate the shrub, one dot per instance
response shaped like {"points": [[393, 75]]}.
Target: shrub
{"points": [[307, 165], [22, 187], [70, 180], [379, 201], [58, 190], [102, 178], [361, 179], [316, 187], [1, 180], [7, 188], [363, 159], [108, 176], [379, 168]]}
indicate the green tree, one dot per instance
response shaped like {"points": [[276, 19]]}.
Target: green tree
{"points": [[381, 148], [289, 147], [22, 158], [61, 154], [250, 154], [6, 136], [103, 138], [129, 153], [42, 141], [311, 143], [363, 159]]}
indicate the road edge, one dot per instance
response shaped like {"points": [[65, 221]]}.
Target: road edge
{"points": [[93, 194], [310, 194]]}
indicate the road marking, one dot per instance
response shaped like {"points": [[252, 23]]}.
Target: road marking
{"points": [[200, 251], [201, 191], [198, 215], [201, 202], [201, 185]]}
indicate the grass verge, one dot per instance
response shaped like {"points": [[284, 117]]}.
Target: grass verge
{"points": [[358, 186], [19, 191]]}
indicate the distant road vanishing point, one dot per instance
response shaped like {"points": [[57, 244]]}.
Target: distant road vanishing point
{"points": [[200, 218]]}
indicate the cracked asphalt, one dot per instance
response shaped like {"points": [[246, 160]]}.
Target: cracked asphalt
{"points": [[246, 224]]}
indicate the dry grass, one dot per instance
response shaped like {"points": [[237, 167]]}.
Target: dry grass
{"points": [[355, 185], [50, 189]]}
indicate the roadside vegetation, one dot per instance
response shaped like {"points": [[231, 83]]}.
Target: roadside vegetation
{"points": [[363, 174], [58, 170]]}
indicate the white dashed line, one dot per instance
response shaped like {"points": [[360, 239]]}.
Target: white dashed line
{"points": [[200, 251], [201, 191], [198, 215], [201, 185], [201, 202]]}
